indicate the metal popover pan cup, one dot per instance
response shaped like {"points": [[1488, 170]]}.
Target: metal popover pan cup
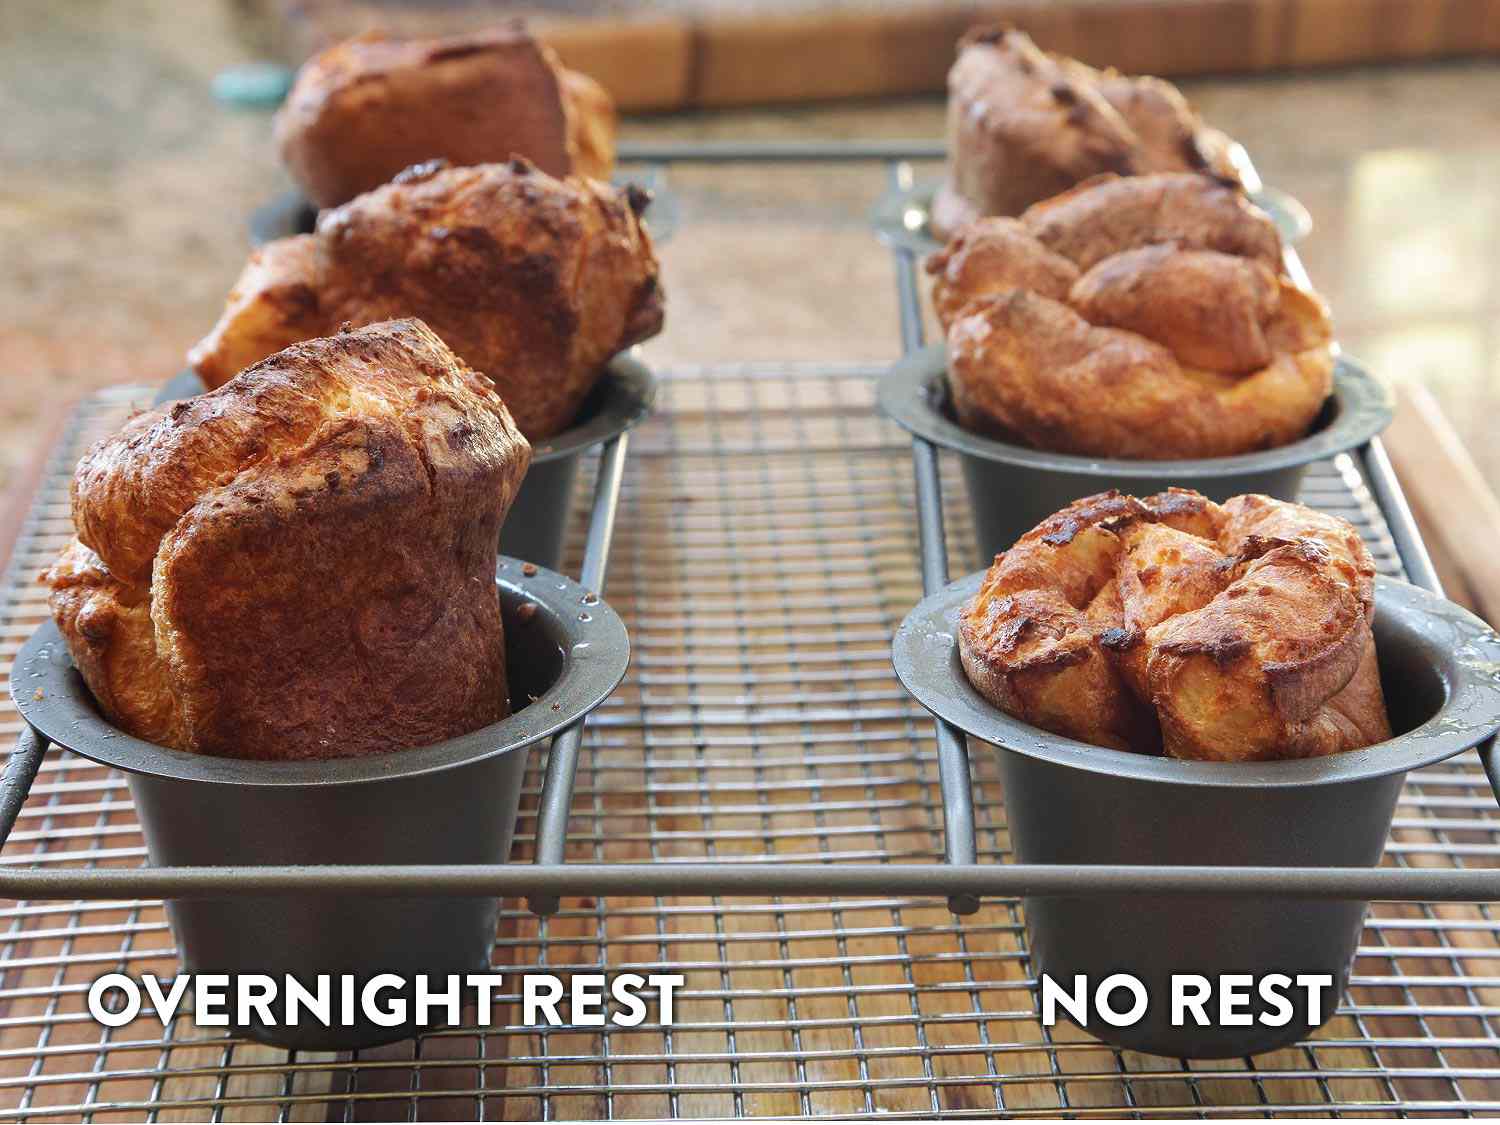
{"points": [[1013, 488], [537, 524], [1071, 803], [902, 217], [451, 803]]}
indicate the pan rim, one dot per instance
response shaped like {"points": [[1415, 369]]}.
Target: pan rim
{"points": [[907, 391], [53, 699], [925, 655]]}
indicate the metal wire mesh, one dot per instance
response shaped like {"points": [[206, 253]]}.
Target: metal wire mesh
{"points": [[765, 551]]}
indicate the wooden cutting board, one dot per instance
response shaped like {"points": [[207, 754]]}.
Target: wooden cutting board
{"points": [[720, 54]]}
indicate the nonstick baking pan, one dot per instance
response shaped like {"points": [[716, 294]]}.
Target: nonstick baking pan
{"points": [[293, 213], [537, 524], [1013, 488], [1071, 803], [451, 803], [902, 217]]}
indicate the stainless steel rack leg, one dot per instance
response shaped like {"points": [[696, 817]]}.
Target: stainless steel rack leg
{"points": [[1381, 477], [16, 781], [562, 761], [952, 746]]}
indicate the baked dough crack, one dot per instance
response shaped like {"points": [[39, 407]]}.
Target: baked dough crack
{"points": [[301, 563], [1233, 632]]}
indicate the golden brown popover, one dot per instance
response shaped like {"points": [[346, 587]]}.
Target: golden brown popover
{"points": [[1024, 124], [1236, 632], [534, 281], [1141, 317], [300, 564], [364, 109]]}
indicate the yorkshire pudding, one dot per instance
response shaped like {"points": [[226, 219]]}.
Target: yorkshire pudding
{"points": [[300, 564], [364, 109], [536, 282], [1136, 317], [1238, 632], [1024, 124]]}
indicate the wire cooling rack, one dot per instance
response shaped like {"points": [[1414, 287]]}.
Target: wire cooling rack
{"points": [[761, 726]]}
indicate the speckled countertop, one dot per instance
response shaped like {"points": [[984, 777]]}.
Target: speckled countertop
{"points": [[126, 189]]}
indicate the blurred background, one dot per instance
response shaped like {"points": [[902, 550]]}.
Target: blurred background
{"points": [[137, 142]]}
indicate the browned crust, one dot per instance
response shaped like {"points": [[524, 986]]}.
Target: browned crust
{"points": [[992, 257], [1108, 214], [1259, 518], [274, 304], [108, 628], [1169, 623], [534, 281], [301, 563], [1020, 128], [363, 109], [1044, 666], [1138, 318], [1028, 640], [1210, 309], [1025, 124]]}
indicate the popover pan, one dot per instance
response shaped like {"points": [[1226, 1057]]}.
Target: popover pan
{"points": [[902, 217], [1070, 803], [1013, 488], [450, 803], [537, 525]]}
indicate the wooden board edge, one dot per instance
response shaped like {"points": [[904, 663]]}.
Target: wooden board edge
{"points": [[1456, 509], [654, 63]]}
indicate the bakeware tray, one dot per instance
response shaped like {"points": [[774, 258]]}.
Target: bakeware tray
{"points": [[778, 798]]}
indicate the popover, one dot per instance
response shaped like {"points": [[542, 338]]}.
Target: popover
{"points": [[1139, 317], [300, 564], [1235, 632], [534, 281], [362, 110], [1025, 124]]}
